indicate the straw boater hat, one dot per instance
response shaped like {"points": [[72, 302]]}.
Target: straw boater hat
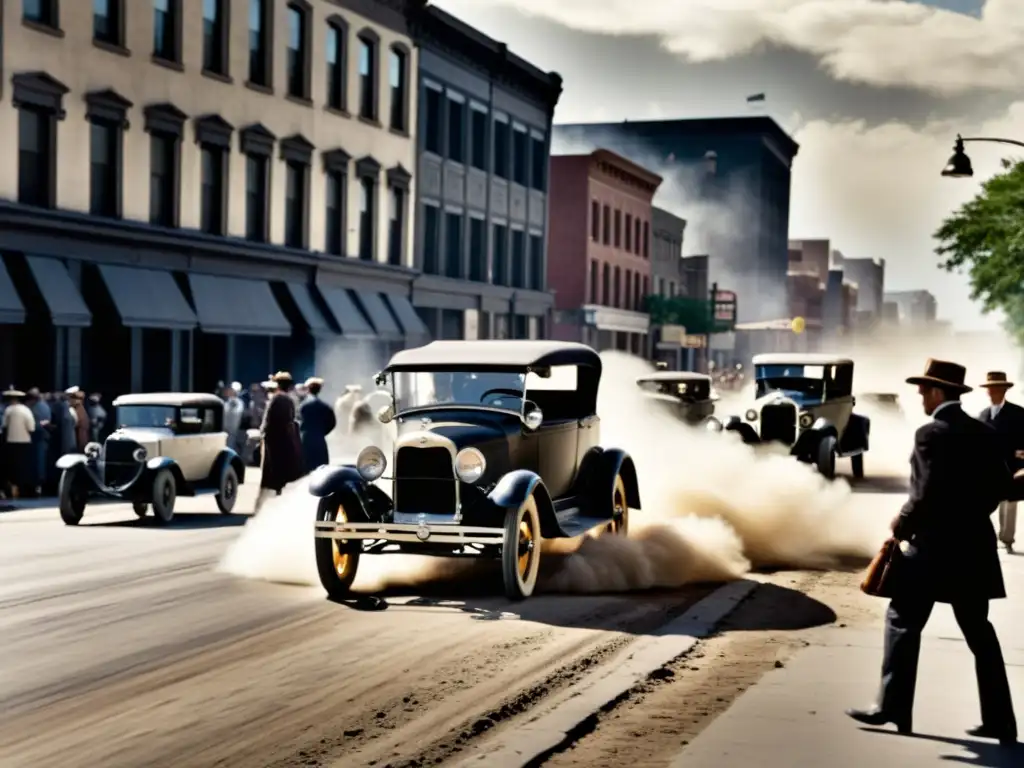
{"points": [[314, 381], [282, 376], [996, 379], [943, 374], [14, 393]]}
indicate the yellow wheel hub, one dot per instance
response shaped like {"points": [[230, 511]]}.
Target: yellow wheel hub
{"points": [[342, 560], [526, 546], [620, 507]]}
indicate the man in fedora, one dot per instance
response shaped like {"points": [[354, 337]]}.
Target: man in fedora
{"points": [[281, 450], [316, 422], [949, 555], [1008, 421]]}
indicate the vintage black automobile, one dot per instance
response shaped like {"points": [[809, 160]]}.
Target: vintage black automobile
{"points": [[497, 448], [166, 445], [686, 394], [804, 401]]}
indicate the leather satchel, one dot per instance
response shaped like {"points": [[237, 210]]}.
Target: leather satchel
{"points": [[880, 578]]}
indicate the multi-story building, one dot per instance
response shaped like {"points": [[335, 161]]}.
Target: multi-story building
{"points": [[741, 165], [869, 275], [484, 141], [668, 280], [601, 234], [915, 308], [200, 191]]}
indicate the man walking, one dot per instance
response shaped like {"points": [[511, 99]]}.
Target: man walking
{"points": [[949, 555], [1008, 421], [281, 450], [316, 422]]}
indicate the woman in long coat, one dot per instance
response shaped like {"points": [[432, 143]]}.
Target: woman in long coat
{"points": [[282, 452]]}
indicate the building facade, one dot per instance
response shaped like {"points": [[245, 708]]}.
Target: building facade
{"points": [[194, 192], [484, 147], [736, 167], [668, 279], [869, 277], [914, 308], [601, 239]]}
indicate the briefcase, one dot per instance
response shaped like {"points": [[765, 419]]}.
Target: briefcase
{"points": [[880, 578]]}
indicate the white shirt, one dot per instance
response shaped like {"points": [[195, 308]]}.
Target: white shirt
{"points": [[19, 423], [995, 409], [943, 405]]}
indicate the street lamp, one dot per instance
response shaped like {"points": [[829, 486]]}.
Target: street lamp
{"points": [[959, 165]]}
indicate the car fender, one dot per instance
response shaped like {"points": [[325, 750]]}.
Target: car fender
{"points": [[69, 460], [345, 482], [227, 457], [858, 432], [157, 463], [601, 474], [745, 430], [515, 487]]}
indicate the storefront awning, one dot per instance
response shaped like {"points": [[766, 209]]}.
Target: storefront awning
{"points": [[350, 319], [238, 306], [61, 296], [415, 329], [380, 316], [148, 298], [12, 311], [318, 326], [532, 303]]}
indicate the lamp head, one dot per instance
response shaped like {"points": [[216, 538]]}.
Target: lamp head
{"points": [[959, 165]]}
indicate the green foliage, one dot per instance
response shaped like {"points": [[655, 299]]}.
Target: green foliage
{"points": [[693, 314]]}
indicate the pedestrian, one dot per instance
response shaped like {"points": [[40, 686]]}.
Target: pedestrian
{"points": [[949, 555], [345, 403], [317, 421], [234, 410], [83, 428], [281, 449], [97, 417], [40, 437], [18, 424], [1008, 420]]}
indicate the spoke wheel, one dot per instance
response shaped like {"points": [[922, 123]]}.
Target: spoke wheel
{"points": [[520, 555], [620, 509], [336, 561]]}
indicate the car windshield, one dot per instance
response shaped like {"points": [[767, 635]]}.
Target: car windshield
{"points": [[801, 383], [491, 389], [146, 415]]}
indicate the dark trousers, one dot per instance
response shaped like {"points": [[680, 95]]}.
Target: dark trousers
{"points": [[904, 621]]}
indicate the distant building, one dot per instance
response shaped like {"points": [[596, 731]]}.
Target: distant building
{"points": [[915, 308], [810, 257], [869, 276], [742, 164], [668, 279]]}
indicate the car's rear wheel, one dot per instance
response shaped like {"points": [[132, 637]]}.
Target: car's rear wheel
{"points": [[620, 509], [520, 550], [72, 495], [336, 561], [857, 465], [826, 458], [228, 493], [165, 493], [140, 508]]}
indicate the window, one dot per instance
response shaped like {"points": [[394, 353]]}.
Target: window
{"points": [[628, 294], [500, 255], [478, 136], [334, 235], [640, 293], [606, 285], [396, 225], [367, 76], [398, 79], [336, 70], [215, 36], [595, 220], [108, 22], [647, 240], [453, 245], [535, 277], [260, 30], [617, 302], [618, 229], [212, 217], [431, 239], [606, 224], [520, 145], [295, 205], [477, 250], [434, 99], [163, 180], [298, 51], [367, 218], [36, 167], [456, 128], [257, 187], [629, 234], [539, 158], [104, 167], [593, 282], [518, 259], [501, 147], [166, 38], [42, 12]]}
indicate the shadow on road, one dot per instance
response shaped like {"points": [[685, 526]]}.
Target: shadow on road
{"points": [[981, 753], [183, 521]]}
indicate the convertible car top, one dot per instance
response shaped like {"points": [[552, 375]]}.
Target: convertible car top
{"points": [[504, 355]]}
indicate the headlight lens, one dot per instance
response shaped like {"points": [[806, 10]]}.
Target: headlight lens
{"points": [[140, 454], [470, 465], [751, 415], [371, 463], [92, 450], [806, 420], [713, 425]]}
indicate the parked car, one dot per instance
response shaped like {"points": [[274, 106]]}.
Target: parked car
{"points": [[497, 448], [688, 395], [804, 401], [165, 445]]}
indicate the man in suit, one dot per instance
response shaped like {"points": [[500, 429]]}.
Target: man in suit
{"points": [[957, 479], [1008, 420], [316, 422]]}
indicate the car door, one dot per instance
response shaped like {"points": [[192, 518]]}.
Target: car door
{"points": [[557, 451], [589, 436], [186, 447]]}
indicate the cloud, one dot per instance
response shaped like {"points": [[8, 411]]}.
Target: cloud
{"points": [[884, 43]]}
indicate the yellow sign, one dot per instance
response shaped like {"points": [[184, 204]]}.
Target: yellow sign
{"points": [[799, 325]]}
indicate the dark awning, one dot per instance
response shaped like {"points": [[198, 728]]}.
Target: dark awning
{"points": [[12, 311], [148, 298], [303, 298], [380, 316], [348, 316], [532, 303], [236, 305], [61, 296], [415, 329]]}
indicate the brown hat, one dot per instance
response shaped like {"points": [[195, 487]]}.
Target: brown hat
{"points": [[943, 374], [997, 379], [282, 376]]}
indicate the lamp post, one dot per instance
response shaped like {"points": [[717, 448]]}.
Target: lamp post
{"points": [[959, 165]]}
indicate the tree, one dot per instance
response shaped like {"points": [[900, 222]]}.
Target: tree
{"points": [[985, 239]]}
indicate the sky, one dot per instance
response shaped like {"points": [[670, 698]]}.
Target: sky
{"points": [[874, 91]]}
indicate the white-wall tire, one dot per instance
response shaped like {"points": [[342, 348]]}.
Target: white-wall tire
{"points": [[520, 551]]}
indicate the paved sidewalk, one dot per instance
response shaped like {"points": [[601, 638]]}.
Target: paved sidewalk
{"points": [[794, 717]]}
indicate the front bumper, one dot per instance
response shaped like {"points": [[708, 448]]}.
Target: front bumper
{"points": [[423, 533]]}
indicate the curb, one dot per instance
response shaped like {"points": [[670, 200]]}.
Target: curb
{"points": [[537, 739]]}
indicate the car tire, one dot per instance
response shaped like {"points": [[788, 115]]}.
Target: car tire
{"points": [[619, 526], [72, 495], [336, 561], [140, 508], [520, 550], [826, 458], [165, 493], [857, 465], [227, 494]]}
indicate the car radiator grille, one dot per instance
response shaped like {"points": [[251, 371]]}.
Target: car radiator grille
{"points": [[424, 481], [119, 466], [778, 422]]}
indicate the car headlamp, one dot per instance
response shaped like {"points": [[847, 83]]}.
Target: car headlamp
{"points": [[713, 425], [806, 420], [751, 415], [470, 465], [371, 463], [92, 450], [140, 454]]}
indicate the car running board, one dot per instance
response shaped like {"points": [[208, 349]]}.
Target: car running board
{"points": [[577, 526]]}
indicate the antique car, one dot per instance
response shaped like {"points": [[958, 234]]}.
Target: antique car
{"points": [[804, 401], [496, 448], [165, 445], [688, 395]]}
